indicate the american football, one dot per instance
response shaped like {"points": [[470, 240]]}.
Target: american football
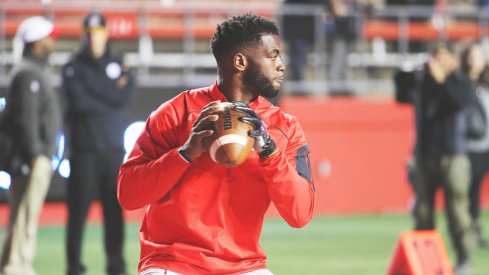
{"points": [[230, 144]]}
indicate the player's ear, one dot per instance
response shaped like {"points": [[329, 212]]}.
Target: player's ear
{"points": [[240, 62]]}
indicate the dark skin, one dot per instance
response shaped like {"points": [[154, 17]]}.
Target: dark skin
{"points": [[242, 76]]}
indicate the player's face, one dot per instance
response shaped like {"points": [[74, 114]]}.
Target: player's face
{"points": [[265, 72], [97, 39]]}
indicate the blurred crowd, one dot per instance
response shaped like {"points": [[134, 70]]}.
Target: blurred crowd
{"points": [[337, 28], [334, 47]]}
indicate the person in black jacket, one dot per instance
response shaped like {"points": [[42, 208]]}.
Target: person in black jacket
{"points": [[98, 89], [34, 113], [441, 150]]}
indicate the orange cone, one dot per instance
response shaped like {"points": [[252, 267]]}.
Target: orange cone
{"points": [[420, 252]]}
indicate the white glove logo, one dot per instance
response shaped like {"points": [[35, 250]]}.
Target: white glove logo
{"points": [[113, 70]]}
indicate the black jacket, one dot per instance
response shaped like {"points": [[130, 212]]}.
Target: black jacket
{"points": [[441, 120], [33, 108], [96, 107]]}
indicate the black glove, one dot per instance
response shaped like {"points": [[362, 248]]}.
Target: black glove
{"points": [[264, 145]]}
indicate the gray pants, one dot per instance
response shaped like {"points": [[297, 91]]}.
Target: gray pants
{"points": [[452, 173], [27, 194]]}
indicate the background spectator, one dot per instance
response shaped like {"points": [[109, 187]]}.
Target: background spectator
{"points": [[33, 111], [441, 150], [98, 89], [475, 66], [299, 30], [344, 34]]}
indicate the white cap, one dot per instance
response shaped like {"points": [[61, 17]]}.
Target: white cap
{"points": [[34, 28]]}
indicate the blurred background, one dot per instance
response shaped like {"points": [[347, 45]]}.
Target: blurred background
{"points": [[341, 58], [339, 78]]}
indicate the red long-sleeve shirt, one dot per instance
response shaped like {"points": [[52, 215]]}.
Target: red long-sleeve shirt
{"points": [[204, 218]]}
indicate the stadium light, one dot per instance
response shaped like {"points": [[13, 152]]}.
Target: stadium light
{"points": [[64, 168], [131, 135], [4, 180]]}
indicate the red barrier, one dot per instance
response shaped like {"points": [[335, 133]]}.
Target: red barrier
{"points": [[421, 31], [359, 149]]}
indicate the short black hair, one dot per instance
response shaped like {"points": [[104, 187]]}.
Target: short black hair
{"points": [[239, 32]]}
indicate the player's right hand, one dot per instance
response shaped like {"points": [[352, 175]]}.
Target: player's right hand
{"points": [[194, 146]]}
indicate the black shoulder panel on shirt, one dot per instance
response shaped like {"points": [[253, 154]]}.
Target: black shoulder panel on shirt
{"points": [[303, 165]]}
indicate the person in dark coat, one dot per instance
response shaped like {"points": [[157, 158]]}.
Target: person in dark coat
{"points": [[98, 88], [441, 150]]}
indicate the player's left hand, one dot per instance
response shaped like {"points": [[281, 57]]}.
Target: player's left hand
{"points": [[264, 144]]}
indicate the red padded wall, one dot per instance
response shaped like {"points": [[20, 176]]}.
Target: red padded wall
{"points": [[359, 149]]}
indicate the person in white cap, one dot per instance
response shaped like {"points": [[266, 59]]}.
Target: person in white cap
{"points": [[34, 114]]}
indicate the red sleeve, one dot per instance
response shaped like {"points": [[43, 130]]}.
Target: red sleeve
{"points": [[154, 165], [290, 184]]}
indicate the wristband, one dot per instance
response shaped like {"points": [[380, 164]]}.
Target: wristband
{"points": [[268, 150]]}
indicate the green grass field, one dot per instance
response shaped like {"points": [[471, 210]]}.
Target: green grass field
{"points": [[357, 245]]}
